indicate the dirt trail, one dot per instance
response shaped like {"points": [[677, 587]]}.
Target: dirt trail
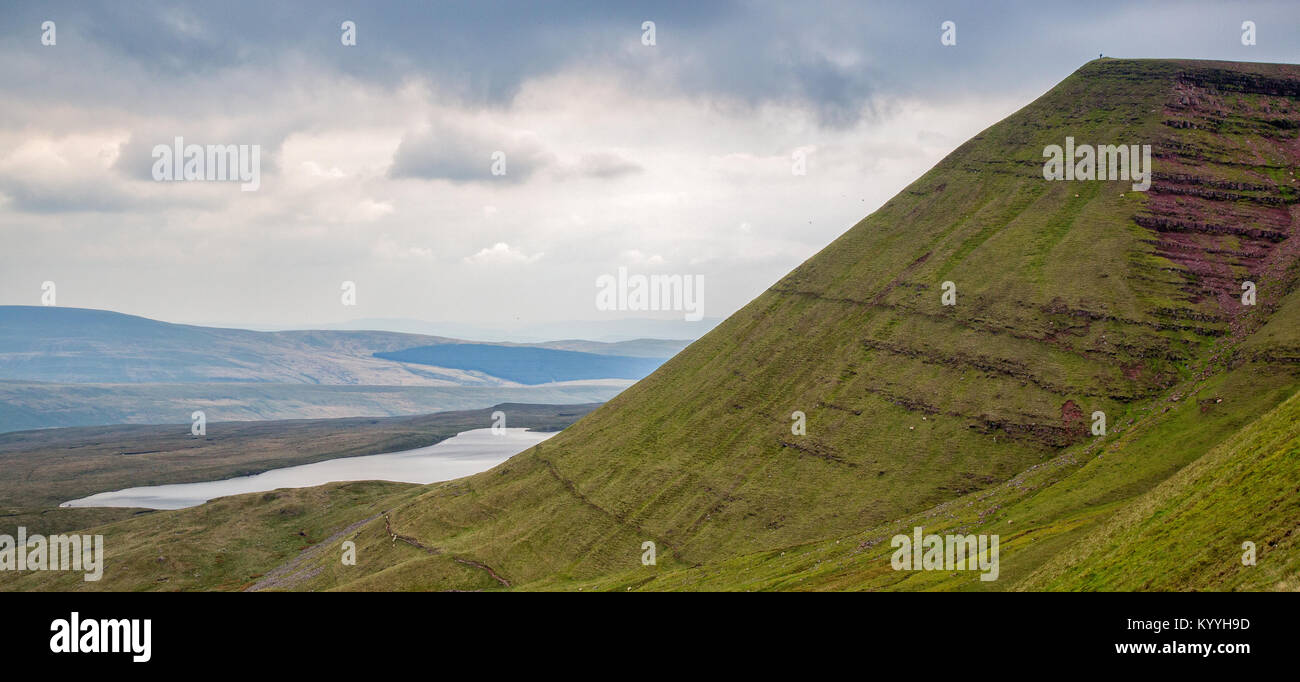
{"points": [[294, 572], [388, 526], [619, 518], [290, 573]]}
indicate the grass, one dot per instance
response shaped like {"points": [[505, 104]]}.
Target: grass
{"points": [[226, 544], [1188, 532]]}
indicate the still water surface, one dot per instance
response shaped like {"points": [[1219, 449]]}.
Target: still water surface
{"points": [[466, 453]]}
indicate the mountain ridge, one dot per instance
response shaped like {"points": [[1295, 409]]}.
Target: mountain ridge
{"points": [[78, 345]]}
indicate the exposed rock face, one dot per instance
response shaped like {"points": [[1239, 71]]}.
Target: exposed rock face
{"points": [[1221, 211]]}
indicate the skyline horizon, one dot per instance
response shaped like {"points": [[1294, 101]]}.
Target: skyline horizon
{"points": [[407, 325]]}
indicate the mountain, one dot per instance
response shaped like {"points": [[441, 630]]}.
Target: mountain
{"points": [[526, 365], [73, 345], [77, 367], [1072, 298], [626, 329], [35, 405], [610, 331]]}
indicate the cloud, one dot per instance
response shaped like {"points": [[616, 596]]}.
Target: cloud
{"points": [[135, 158], [387, 249], [501, 253], [463, 152], [833, 58], [376, 159], [636, 257], [606, 165], [64, 174]]}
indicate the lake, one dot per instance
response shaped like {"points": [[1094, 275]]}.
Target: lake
{"points": [[461, 455]]}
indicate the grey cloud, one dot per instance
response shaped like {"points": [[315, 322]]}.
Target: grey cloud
{"points": [[243, 71], [606, 165], [135, 157], [27, 196], [461, 153], [90, 194], [833, 56], [483, 51]]}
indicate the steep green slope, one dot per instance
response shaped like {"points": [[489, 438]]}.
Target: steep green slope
{"points": [[1046, 512], [1188, 532], [1071, 298]]}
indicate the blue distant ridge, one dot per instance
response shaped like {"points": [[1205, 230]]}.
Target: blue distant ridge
{"points": [[526, 365]]}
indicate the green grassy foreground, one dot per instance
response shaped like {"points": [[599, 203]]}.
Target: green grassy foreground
{"points": [[1072, 297]]}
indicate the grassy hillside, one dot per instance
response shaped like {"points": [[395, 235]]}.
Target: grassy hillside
{"points": [[1071, 298], [1183, 534], [227, 543]]}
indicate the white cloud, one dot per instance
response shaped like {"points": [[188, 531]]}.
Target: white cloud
{"points": [[636, 257], [501, 254], [604, 164], [387, 248]]}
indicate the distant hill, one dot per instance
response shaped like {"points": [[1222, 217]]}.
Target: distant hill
{"points": [[35, 405], [612, 330], [526, 365], [80, 367], [74, 345]]}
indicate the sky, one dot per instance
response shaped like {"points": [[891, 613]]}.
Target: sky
{"points": [[674, 156]]}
